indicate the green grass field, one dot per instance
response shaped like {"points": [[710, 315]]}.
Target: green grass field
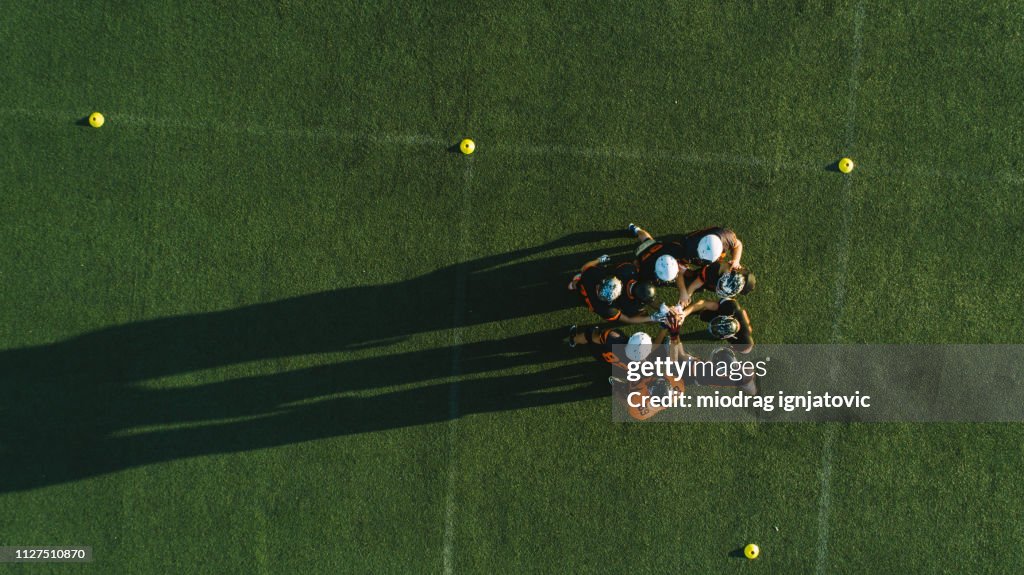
{"points": [[266, 321]]}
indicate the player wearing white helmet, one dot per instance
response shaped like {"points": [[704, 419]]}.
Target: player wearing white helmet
{"points": [[660, 262], [603, 341], [613, 347], [635, 395], [710, 245], [639, 346]]}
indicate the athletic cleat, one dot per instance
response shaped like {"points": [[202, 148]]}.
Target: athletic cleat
{"points": [[575, 279], [604, 259], [634, 229], [572, 336], [612, 380]]}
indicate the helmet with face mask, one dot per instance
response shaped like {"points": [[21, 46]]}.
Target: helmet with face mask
{"points": [[730, 284], [609, 289], [723, 327]]}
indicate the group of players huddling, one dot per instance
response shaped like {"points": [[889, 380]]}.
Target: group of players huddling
{"points": [[705, 260]]}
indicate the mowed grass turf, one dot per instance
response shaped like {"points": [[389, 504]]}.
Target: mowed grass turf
{"points": [[264, 321]]}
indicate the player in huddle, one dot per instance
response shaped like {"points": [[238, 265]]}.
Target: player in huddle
{"points": [[707, 246], [720, 278], [727, 321], [659, 262], [696, 254], [615, 293]]}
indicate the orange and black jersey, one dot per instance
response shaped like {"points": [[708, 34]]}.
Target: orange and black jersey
{"points": [[629, 274], [732, 308], [589, 280], [711, 273], [593, 276], [647, 259], [602, 342]]}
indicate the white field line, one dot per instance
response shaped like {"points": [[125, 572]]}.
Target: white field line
{"points": [[453, 389], [825, 502], [254, 129], [621, 152], [639, 153], [839, 303], [321, 132]]}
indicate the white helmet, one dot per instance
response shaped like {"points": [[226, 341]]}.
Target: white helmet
{"points": [[609, 289], [710, 248], [666, 268], [638, 347]]}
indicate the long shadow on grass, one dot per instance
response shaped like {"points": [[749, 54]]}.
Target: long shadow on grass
{"points": [[78, 435], [73, 409], [497, 288]]}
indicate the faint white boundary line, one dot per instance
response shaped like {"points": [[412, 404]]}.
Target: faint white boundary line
{"points": [[825, 502], [453, 389], [321, 132], [624, 153], [272, 131], [611, 152], [844, 244], [1002, 177]]}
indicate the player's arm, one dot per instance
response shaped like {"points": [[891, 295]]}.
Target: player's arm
{"points": [[736, 255], [687, 292], [642, 235], [699, 306], [684, 292], [736, 247], [745, 325], [675, 346], [676, 352], [745, 321], [595, 262], [636, 319]]}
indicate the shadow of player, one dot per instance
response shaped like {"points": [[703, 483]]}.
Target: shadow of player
{"points": [[83, 437], [76, 400]]}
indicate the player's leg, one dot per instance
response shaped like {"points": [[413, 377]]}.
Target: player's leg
{"points": [[639, 233], [593, 335], [575, 281], [645, 240], [588, 335]]}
